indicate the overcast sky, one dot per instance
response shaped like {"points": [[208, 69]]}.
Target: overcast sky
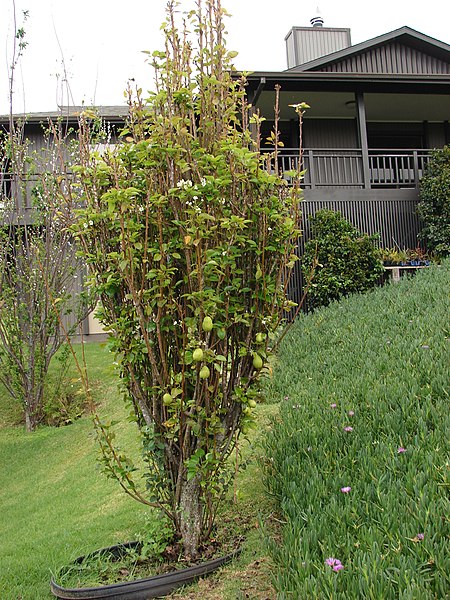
{"points": [[98, 43]]}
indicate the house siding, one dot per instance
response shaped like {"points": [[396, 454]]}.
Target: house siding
{"points": [[330, 133], [392, 58], [391, 214], [436, 135]]}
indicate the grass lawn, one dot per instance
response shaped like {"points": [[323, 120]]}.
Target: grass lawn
{"points": [[56, 505], [54, 502]]}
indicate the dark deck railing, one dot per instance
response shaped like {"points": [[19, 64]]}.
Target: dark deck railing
{"points": [[324, 168], [18, 189], [344, 168]]}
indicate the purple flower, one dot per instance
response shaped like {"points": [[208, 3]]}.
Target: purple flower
{"points": [[333, 405], [335, 564], [420, 536], [351, 413], [346, 489], [401, 450], [348, 428]]}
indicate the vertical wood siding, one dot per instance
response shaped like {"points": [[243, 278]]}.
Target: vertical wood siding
{"points": [[436, 135], [330, 133], [307, 43], [391, 58], [392, 216]]}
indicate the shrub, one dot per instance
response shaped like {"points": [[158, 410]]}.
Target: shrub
{"points": [[344, 260], [38, 264], [434, 205], [189, 240]]}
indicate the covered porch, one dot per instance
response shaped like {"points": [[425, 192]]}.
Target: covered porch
{"points": [[364, 132], [366, 141]]}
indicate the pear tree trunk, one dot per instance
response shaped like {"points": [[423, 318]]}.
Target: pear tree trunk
{"points": [[190, 515]]}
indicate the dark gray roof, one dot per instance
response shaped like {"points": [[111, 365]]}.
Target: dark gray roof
{"points": [[71, 113], [405, 35]]}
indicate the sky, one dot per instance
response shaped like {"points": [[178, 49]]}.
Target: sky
{"points": [[85, 51]]}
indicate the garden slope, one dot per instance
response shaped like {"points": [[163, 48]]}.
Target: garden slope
{"points": [[55, 504], [357, 458]]}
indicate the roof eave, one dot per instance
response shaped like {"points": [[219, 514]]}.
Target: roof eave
{"points": [[359, 82], [111, 114]]}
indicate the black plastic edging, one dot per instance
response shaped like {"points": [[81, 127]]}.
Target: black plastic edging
{"points": [[140, 589]]}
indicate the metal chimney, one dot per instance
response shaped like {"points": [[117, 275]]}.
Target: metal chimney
{"points": [[304, 44]]}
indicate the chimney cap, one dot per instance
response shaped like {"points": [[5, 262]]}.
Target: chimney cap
{"points": [[317, 20]]}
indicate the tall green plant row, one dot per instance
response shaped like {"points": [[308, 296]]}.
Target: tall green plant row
{"points": [[434, 205], [189, 241], [357, 459]]}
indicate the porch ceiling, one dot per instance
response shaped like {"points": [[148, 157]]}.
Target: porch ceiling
{"points": [[341, 105]]}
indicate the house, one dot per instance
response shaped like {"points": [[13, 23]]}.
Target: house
{"points": [[35, 126], [19, 189], [377, 108]]}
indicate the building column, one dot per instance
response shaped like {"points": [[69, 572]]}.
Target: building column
{"points": [[362, 137]]}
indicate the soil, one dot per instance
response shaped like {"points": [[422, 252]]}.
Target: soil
{"points": [[253, 581]]}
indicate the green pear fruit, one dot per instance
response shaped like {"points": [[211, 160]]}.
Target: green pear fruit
{"points": [[207, 324], [197, 355], [167, 399], [257, 361], [204, 372]]}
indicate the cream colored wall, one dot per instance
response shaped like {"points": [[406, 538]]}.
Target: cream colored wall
{"points": [[94, 325]]}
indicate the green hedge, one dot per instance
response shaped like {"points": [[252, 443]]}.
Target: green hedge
{"points": [[434, 205], [345, 260]]}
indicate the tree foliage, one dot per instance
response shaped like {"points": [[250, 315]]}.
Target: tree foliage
{"points": [[189, 240], [37, 264], [344, 260], [434, 205]]}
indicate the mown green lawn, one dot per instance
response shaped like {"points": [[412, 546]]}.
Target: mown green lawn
{"points": [[377, 364], [55, 504]]}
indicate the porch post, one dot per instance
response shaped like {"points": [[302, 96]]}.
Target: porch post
{"points": [[447, 132], [253, 101], [362, 137]]}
